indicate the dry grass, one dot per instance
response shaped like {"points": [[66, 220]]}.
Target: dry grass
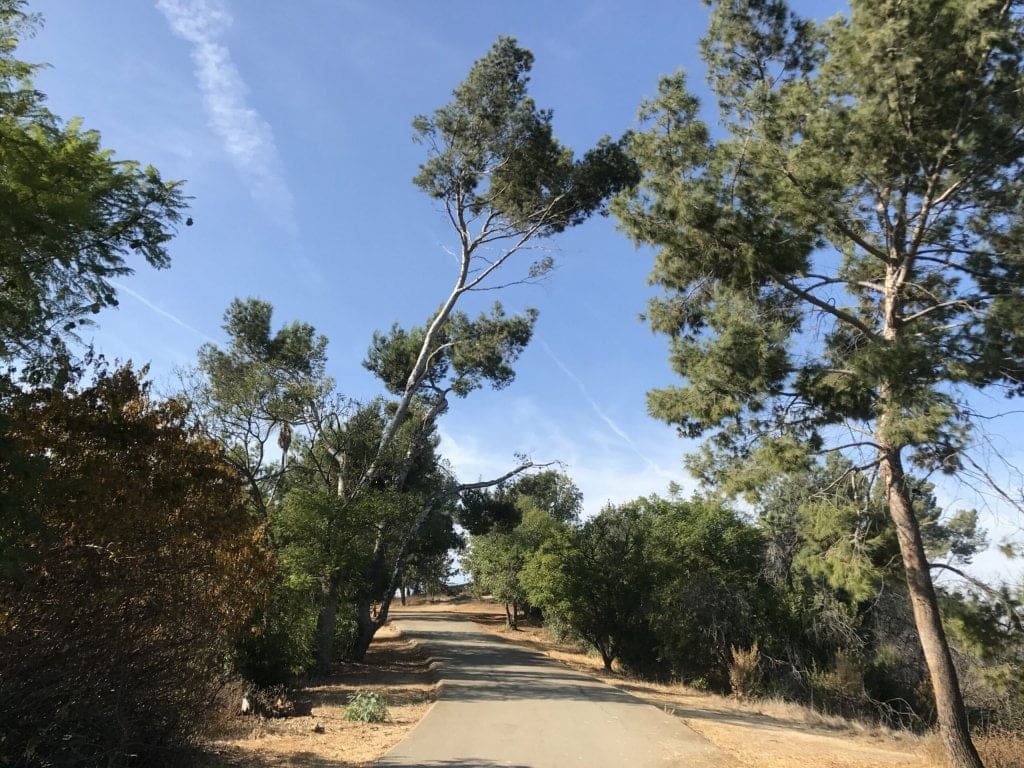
{"points": [[759, 733], [1001, 750], [997, 750], [322, 737]]}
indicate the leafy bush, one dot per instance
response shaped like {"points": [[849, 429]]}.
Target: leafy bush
{"points": [[282, 645], [367, 707]]}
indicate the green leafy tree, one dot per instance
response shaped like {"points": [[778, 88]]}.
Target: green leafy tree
{"points": [[710, 595], [552, 491], [847, 255], [489, 509], [597, 581], [496, 560], [265, 391], [430, 562], [71, 215], [663, 585], [266, 399]]}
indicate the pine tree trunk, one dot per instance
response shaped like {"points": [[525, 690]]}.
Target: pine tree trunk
{"points": [[949, 705]]}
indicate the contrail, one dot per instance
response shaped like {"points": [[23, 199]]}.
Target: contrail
{"points": [[161, 311], [248, 138], [615, 428]]}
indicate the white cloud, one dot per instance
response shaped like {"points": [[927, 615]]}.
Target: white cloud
{"points": [[247, 137]]}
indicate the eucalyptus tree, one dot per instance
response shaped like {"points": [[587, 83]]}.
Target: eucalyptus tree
{"points": [[846, 259], [504, 182]]}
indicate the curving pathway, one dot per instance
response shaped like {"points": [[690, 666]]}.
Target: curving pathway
{"points": [[503, 705]]}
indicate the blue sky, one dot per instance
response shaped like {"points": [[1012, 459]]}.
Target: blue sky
{"points": [[290, 123]]}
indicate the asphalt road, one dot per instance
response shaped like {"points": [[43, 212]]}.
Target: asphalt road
{"points": [[504, 705]]}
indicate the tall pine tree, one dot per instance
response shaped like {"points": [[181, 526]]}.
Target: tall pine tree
{"points": [[848, 258]]}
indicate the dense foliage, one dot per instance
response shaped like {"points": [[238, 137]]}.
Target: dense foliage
{"points": [[138, 566], [667, 587], [70, 215]]}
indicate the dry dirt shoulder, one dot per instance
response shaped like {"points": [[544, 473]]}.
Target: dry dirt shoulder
{"points": [[322, 738]]}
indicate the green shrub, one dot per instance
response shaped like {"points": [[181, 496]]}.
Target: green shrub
{"points": [[700, 684], [367, 707]]}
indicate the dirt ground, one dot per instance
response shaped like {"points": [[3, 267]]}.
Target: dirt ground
{"points": [[394, 666], [761, 734]]}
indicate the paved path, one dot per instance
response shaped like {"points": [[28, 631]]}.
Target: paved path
{"points": [[503, 705]]}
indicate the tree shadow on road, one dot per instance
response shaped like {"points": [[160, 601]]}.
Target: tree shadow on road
{"points": [[478, 666]]}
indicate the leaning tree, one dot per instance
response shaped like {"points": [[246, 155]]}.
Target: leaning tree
{"points": [[504, 182]]}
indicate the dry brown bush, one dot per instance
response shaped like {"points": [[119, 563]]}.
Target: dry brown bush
{"points": [[997, 748], [1001, 749], [143, 565], [745, 671]]}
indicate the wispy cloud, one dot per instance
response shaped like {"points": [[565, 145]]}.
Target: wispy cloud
{"points": [[160, 310], [247, 137], [608, 421]]}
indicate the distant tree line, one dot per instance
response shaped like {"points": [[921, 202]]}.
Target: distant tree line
{"points": [[803, 599]]}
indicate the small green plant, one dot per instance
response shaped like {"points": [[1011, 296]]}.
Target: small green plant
{"points": [[700, 684], [367, 707]]}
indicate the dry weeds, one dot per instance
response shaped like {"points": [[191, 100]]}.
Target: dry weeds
{"points": [[997, 750]]}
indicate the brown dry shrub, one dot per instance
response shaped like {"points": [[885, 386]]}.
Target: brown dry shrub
{"points": [[997, 749], [142, 566], [745, 671]]}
